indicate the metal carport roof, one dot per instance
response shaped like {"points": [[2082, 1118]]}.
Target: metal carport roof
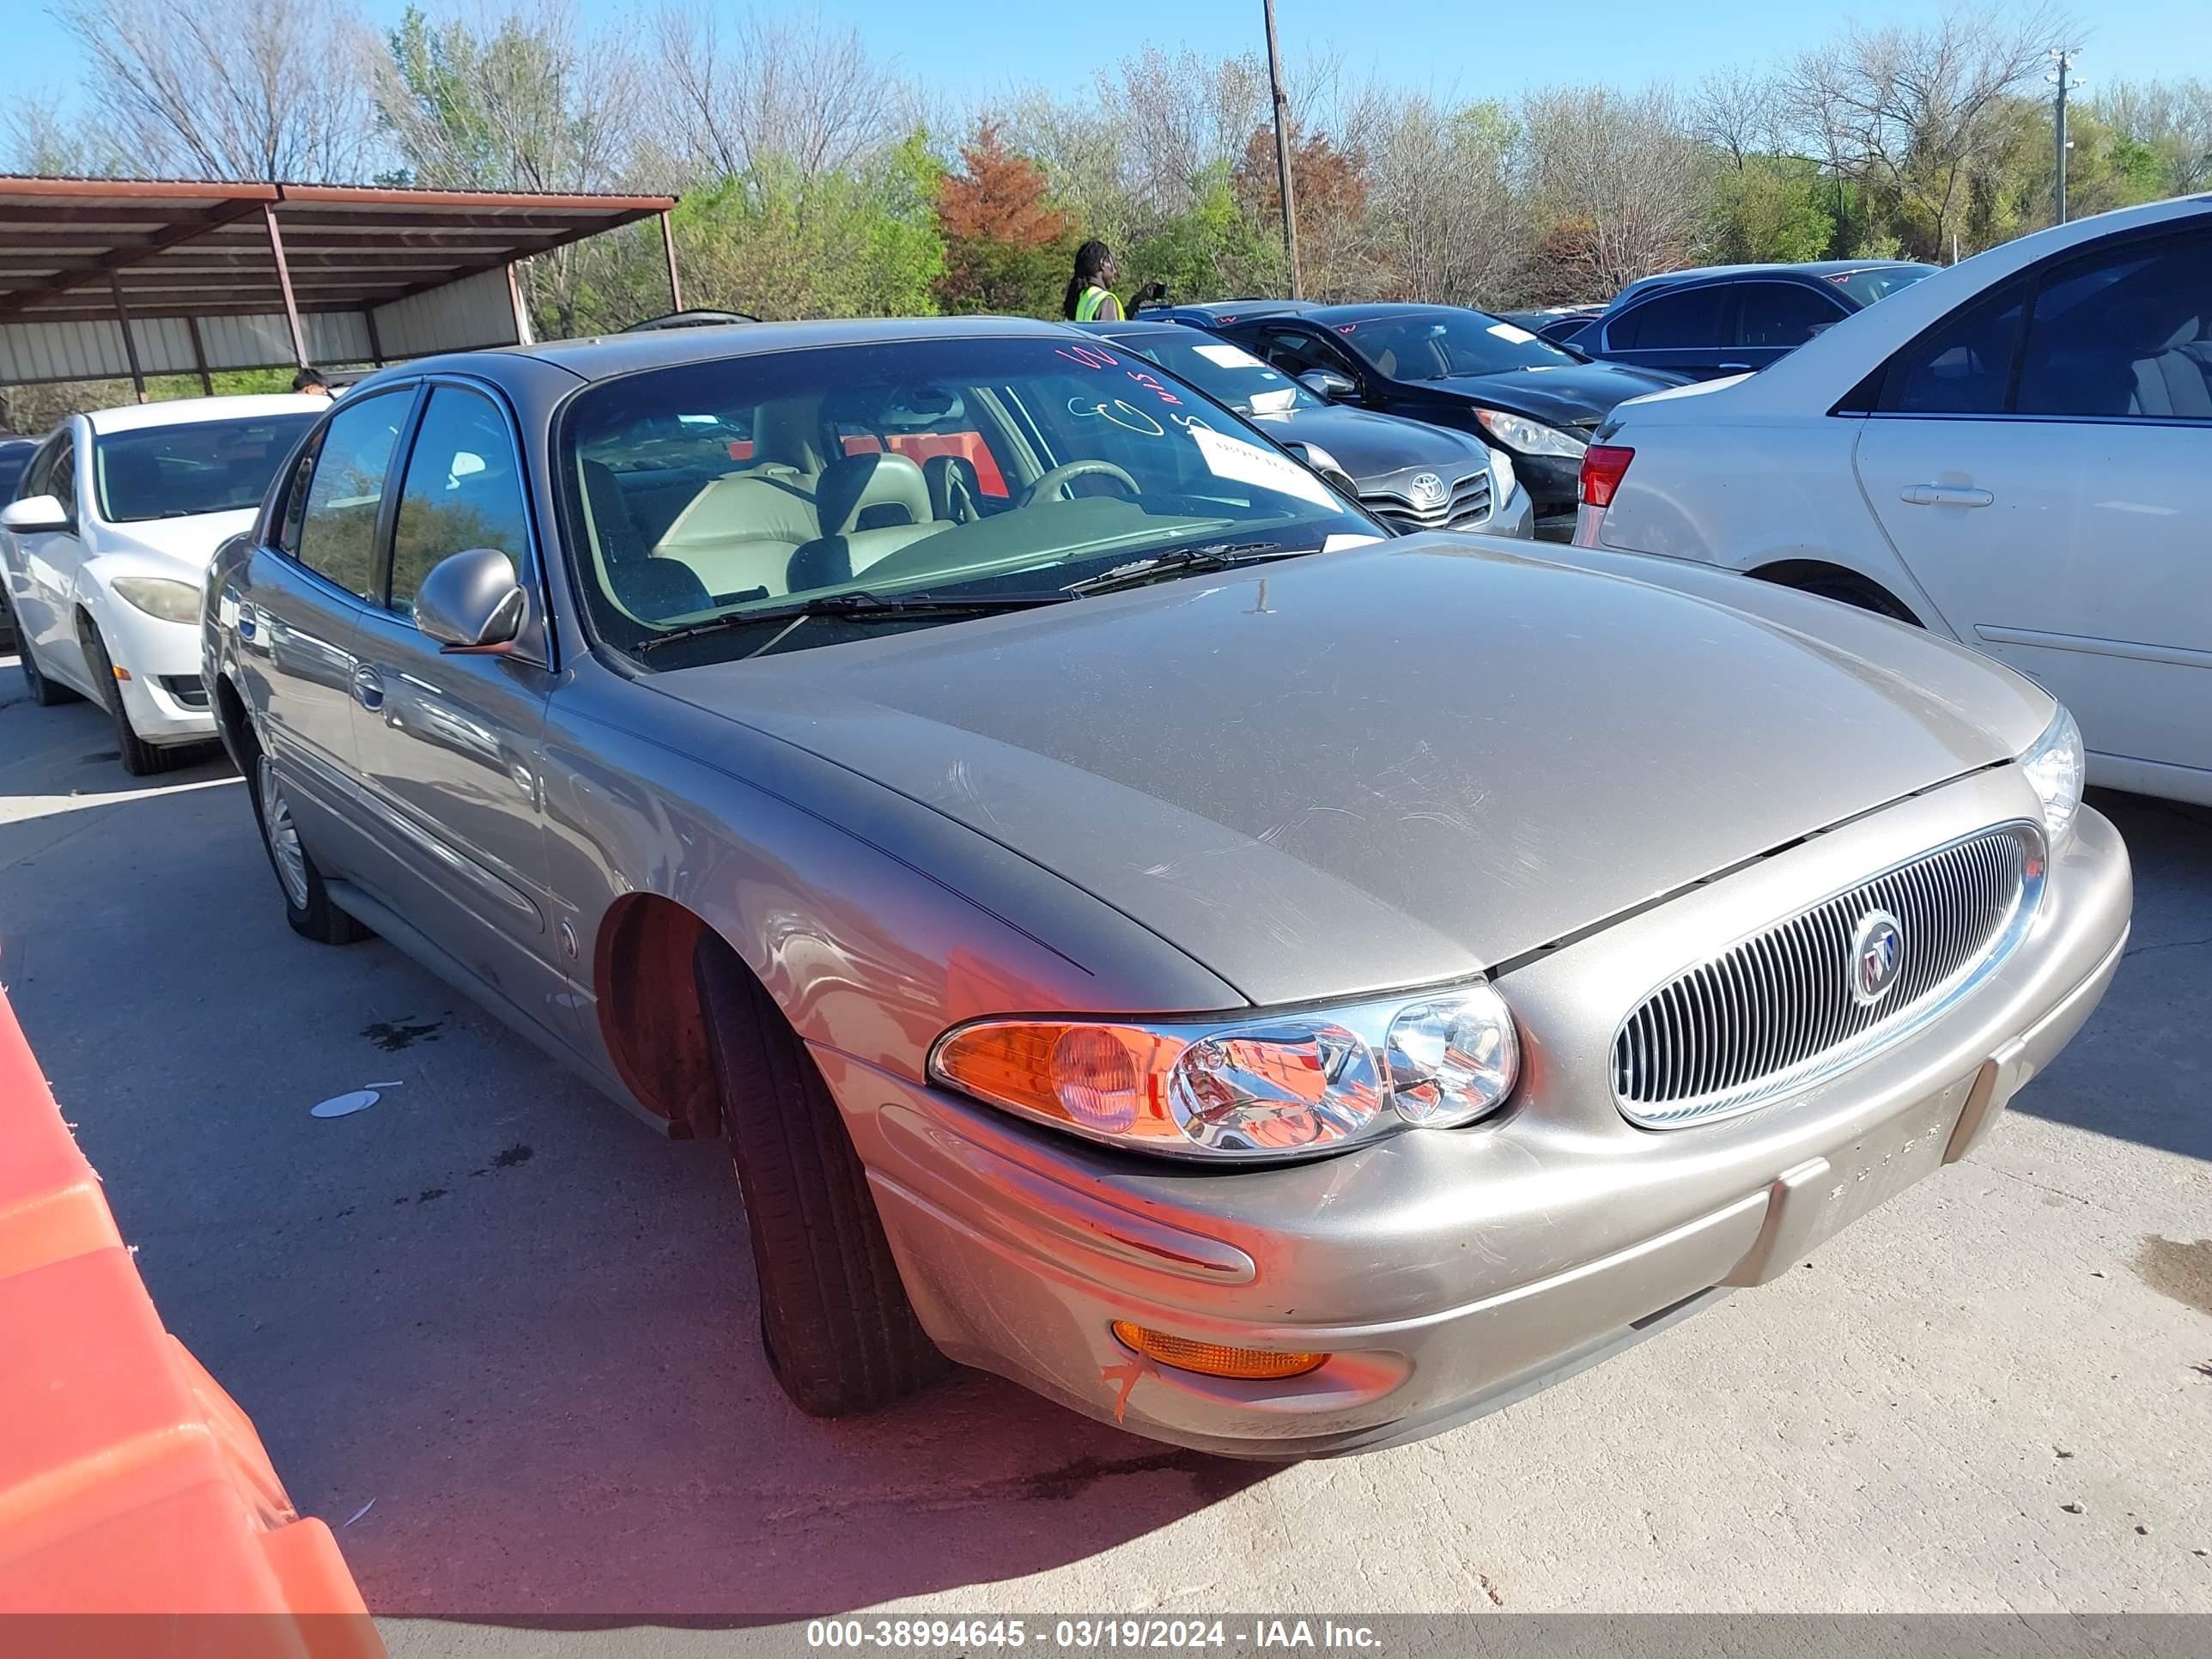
{"points": [[224, 275]]}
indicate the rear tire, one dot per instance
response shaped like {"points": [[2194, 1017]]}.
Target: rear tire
{"points": [[841, 1335], [308, 905], [44, 692], [141, 759]]}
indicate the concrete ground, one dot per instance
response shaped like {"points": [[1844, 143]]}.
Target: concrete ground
{"points": [[514, 1333]]}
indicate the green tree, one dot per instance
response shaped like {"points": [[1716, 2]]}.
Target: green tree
{"points": [[1772, 208]]}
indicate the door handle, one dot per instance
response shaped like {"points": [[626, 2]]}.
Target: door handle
{"points": [[1735, 368], [1944, 495], [368, 687]]}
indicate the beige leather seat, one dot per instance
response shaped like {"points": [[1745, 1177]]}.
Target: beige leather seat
{"points": [[739, 532], [871, 506]]}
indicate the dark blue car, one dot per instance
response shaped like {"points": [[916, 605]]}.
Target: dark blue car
{"points": [[1731, 319]]}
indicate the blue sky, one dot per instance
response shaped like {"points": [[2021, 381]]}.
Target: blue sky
{"points": [[979, 48]]}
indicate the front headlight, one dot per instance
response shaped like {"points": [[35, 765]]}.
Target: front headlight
{"points": [[1266, 1086], [1529, 437], [157, 596], [2056, 764], [1501, 477]]}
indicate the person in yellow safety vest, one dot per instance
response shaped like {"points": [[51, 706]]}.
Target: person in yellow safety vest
{"points": [[1090, 293]]}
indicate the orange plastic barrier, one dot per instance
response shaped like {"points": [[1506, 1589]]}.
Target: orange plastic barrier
{"points": [[130, 1483]]}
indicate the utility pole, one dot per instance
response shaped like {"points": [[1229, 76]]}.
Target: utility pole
{"points": [[1282, 101], [2061, 79]]}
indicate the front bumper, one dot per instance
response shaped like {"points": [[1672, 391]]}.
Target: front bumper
{"points": [[1449, 1274], [165, 696]]}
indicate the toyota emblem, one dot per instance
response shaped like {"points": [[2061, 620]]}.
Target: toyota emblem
{"points": [[1428, 489], [1877, 952]]}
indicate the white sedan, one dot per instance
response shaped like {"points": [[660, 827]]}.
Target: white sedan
{"points": [[2015, 452], [107, 545]]}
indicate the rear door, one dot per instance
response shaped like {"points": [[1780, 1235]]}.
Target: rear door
{"points": [[448, 743], [1773, 319], [1685, 330], [2040, 460], [301, 608]]}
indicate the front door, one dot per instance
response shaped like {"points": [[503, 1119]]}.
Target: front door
{"points": [[48, 562], [2039, 460], [449, 743], [300, 608]]}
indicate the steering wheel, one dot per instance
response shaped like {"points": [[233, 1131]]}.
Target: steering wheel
{"points": [[1061, 475]]}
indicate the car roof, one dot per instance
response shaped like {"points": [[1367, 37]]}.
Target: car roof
{"points": [[187, 412], [1137, 328], [1229, 311], [603, 356], [1810, 269], [1376, 310]]}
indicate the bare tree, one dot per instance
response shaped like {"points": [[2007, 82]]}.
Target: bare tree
{"points": [[1918, 115], [228, 88], [1738, 111], [740, 93], [1440, 190], [1622, 181], [41, 141]]}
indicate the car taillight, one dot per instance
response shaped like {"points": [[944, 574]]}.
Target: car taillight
{"points": [[1604, 465]]}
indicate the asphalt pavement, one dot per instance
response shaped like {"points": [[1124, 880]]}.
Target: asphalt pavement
{"points": [[503, 1338]]}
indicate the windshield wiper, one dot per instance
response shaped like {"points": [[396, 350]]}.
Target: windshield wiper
{"points": [[1212, 555], [855, 607]]}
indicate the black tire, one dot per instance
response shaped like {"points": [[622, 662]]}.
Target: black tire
{"points": [[44, 692], [1849, 590], [141, 759], [309, 910], [841, 1335]]}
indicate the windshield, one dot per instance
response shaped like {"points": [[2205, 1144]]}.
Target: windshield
{"points": [[207, 466], [1227, 373], [1435, 345], [1882, 280], [984, 467]]}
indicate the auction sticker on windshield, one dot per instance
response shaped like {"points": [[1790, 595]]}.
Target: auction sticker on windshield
{"points": [[1229, 356], [1242, 463]]}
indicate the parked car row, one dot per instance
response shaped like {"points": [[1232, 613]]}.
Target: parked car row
{"points": [[1154, 915]]}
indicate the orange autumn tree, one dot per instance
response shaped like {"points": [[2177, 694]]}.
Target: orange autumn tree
{"points": [[1006, 247]]}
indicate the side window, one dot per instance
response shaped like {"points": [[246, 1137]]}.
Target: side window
{"points": [[1672, 321], [39, 476], [337, 538], [285, 529], [2125, 329], [462, 490], [62, 481], [1784, 314], [1962, 366], [1295, 351]]}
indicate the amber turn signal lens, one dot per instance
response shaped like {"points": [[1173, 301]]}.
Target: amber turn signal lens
{"points": [[1212, 1359]]}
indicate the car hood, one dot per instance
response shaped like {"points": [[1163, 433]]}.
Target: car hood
{"points": [[1392, 765], [1372, 445], [188, 542], [1572, 394]]}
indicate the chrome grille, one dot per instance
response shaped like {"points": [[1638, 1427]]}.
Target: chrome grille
{"points": [[1465, 507], [1778, 1010]]}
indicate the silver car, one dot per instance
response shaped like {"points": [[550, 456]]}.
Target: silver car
{"points": [[1143, 927]]}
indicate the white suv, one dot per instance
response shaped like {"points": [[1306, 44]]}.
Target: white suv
{"points": [[106, 547], [2015, 452]]}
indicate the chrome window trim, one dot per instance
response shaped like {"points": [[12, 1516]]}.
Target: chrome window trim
{"points": [[1672, 992]]}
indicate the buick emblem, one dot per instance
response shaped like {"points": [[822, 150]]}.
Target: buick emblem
{"points": [[1877, 951], [1428, 489]]}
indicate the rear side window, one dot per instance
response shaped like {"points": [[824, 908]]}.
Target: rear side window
{"points": [[462, 491], [337, 536], [1963, 366], [1672, 321], [1784, 314], [2126, 329], [1294, 352]]}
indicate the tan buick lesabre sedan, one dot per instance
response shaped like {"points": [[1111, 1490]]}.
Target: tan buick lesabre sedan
{"points": [[1142, 927]]}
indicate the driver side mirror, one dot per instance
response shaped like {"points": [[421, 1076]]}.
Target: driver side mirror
{"points": [[1328, 384], [471, 602], [35, 514]]}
